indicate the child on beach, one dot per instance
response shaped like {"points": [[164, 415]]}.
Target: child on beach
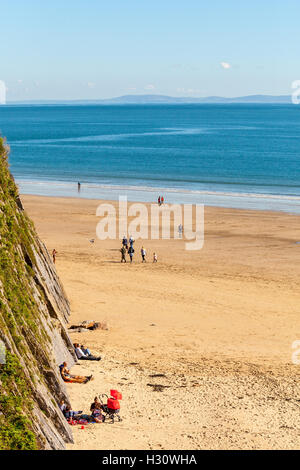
{"points": [[154, 258], [62, 405], [97, 413], [54, 253]]}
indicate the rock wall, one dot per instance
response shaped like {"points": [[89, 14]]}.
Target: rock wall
{"points": [[33, 315]]}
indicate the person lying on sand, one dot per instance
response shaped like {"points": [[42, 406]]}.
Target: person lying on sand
{"points": [[70, 414], [67, 377], [83, 355], [88, 325]]}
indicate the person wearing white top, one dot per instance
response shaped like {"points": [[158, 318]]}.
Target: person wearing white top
{"points": [[80, 354]]}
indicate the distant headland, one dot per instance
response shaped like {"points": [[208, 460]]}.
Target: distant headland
{"points": [[164, 99]]}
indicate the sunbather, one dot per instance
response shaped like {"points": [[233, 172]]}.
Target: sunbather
{"points": [[70, 414], [67, 377], [83, 354]]}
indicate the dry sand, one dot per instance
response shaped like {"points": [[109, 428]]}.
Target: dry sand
{"points": [[214, 327]]}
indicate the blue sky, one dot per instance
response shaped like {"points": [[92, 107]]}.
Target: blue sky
{"points": [[74, 49]]}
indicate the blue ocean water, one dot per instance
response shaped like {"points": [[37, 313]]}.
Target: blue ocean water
{"points": [[235, 155]]}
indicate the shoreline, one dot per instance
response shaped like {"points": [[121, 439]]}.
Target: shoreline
{"points": [[133, 201], [224, 197]]}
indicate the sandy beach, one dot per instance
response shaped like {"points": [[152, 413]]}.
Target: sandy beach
{"points": [[213, 328]]}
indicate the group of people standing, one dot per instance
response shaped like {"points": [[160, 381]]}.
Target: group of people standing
{"points": [[128, 248]]}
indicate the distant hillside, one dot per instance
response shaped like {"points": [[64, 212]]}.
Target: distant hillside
{"points": [[164, 99]]}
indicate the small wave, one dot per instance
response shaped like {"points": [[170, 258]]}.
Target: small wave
{"points": [[112, 137]]}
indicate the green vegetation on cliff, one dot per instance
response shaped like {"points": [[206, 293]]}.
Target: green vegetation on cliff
{"points": [[33, 312], [17, 309]]}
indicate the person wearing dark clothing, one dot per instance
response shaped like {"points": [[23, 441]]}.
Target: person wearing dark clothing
{"points": [[131, 252], [125, 242], [70, 414], [123, 253]]}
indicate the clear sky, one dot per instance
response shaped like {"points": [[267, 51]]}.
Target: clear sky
{"points": [[74, 49]]}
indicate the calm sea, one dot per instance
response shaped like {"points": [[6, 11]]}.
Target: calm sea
{"points": [[244, 156]]}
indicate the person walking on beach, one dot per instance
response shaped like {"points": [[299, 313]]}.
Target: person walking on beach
{"points": [[158, 201], [143, 253], [125, 242], [131, 241], [130, 252], [54, 253], [123, 253], [79, 186], [180, 230], [154, 258], [162, 200]]}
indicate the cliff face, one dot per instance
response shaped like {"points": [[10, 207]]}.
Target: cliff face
{"points": [[33, 313]]}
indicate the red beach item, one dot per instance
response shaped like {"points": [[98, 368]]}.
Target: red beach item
{"points": [[115, 394]]}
